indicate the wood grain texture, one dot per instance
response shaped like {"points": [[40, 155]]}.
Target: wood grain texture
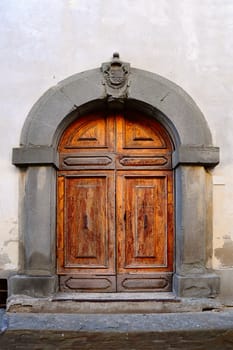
{"points": [[95, 131], [86, 227], [87, 283], [144, 206], [154, 282], [115, 204], [135, 132]]}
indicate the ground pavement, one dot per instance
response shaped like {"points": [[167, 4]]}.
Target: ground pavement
{"points": [[194, 330]]}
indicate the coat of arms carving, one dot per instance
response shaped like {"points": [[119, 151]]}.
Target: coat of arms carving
{"points": [[116, 75]]}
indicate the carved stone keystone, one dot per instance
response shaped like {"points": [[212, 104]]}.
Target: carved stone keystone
{"points": [[116, 77]]}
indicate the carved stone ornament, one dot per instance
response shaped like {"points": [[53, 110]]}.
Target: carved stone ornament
{"points": [[116, 74]]}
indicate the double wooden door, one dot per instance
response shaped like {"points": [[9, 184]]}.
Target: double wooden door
{"points": [[115, 205]]}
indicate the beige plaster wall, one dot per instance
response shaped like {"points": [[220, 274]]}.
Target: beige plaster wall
{"points": [[187, 41]]}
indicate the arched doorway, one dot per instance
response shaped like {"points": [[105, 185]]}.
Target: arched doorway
{"points": [[116, 85], [115, 204]]}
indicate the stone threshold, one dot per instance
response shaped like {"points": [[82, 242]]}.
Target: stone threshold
{"points": [[111, 297], [199, 330], [111, 303], [118, 323]]}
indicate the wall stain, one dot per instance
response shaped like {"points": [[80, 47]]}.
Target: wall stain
{"points": [[6, 243], [225, 254], [4, 259]]}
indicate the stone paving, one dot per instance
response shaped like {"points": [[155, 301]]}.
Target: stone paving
{"points": [[199, 331]]}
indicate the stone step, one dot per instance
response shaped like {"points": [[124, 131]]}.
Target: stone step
{"points": [[36, 331], [111, 303]]}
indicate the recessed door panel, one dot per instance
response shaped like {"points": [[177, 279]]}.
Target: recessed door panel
{"points": [[86, 221], [87, 229], [141, 135], [95, 132], [145, 242], [143, 210]]}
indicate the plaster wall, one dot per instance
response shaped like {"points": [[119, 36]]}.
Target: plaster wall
{"points": [[187, 41]]}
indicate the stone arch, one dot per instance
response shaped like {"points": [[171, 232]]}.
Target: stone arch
{"points": [[83, 89], [37, 155]]}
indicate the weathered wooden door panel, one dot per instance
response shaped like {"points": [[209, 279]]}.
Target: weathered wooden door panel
{"points": [[140, 135], [95, 132], [131, 162], [81, 161], [144, 208], [152, 282], [122, 159], [87, 283], [145, 244], [142, 237], [86, 223]]}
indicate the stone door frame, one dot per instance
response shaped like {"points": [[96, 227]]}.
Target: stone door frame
{"points": [[37, 159]]}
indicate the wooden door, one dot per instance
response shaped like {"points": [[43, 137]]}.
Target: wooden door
{"points": [[115, 205]]}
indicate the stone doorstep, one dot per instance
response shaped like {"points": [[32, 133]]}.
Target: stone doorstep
{"points": [[114, 303], [198, 321], [123, 296], [179, 331]]}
